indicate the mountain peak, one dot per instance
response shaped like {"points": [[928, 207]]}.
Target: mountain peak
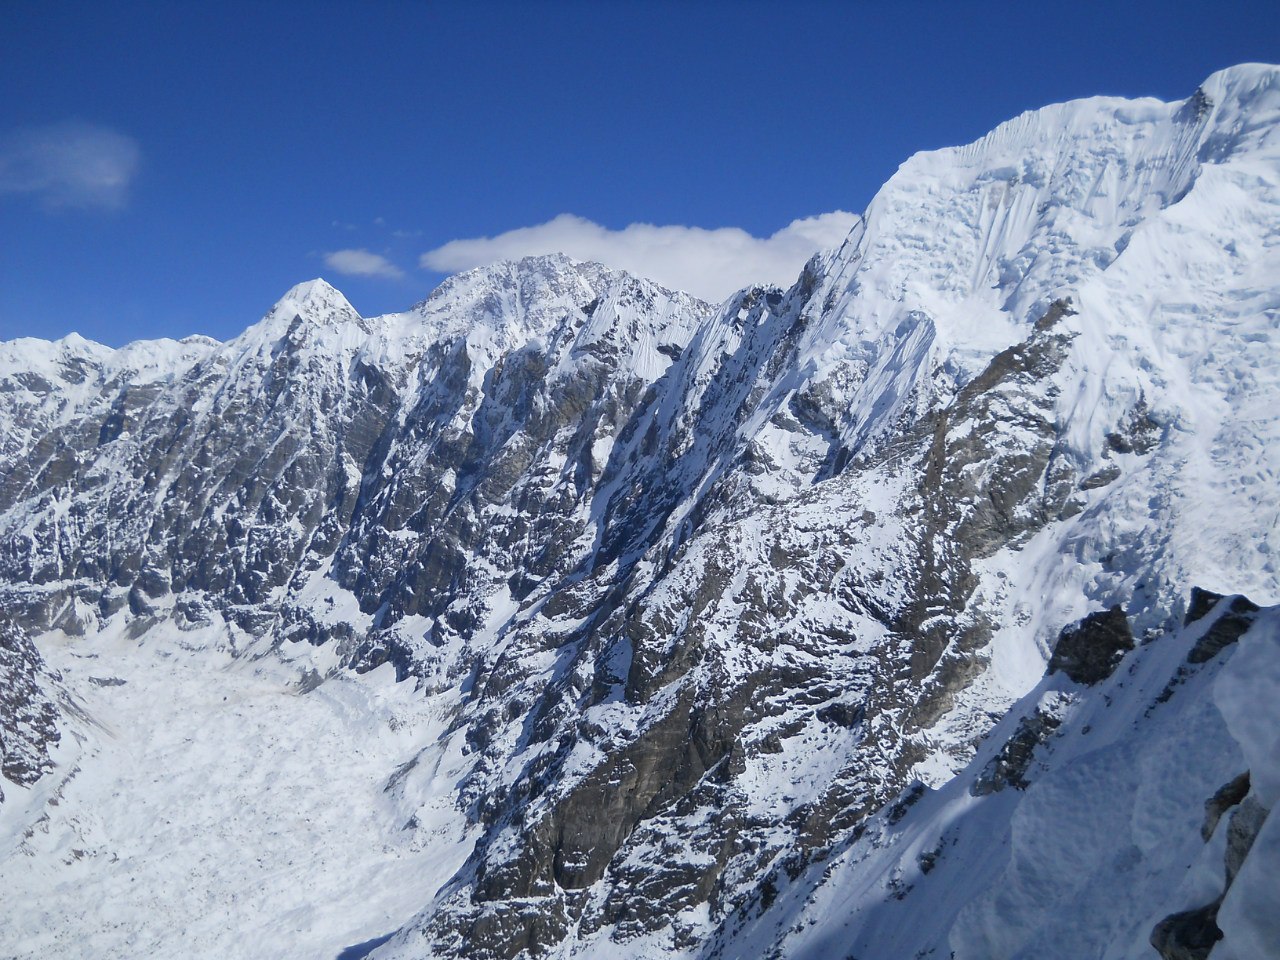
{"points": [[532, 298], [1246, 74], [316, 305], [554, 273], [313, 299]]}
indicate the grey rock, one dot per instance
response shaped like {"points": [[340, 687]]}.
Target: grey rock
{"points": [[1089, 651], [1242, 829], [28, 716], [1010, 766], [1227, 796], [1101, 478], [1231, 618], [1189, 935]]}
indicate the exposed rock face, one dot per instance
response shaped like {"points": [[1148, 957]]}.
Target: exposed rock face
{"points": [[1090, 650], [1009, 767], [1222, 801], [716, 602], [1189, 935], [1231, 618], [1242, 831], [28, 717]]}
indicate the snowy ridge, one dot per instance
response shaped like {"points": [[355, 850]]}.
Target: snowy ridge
{"points": [[719, 631]]}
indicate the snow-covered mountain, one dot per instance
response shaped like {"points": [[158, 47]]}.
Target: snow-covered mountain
{"points": [[897, 614]]}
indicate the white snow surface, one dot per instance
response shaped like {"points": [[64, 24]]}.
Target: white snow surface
{"points": [[206, 806]]}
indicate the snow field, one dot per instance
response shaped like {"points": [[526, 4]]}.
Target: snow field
{"points": [[208, 791]]}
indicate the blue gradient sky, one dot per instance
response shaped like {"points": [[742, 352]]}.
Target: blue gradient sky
{"points": [[270, 134]]}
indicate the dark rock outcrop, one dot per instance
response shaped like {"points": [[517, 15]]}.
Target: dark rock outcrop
{"points": [[1009, 767], [1189, 935], [1089, 651], [1228, 796], [28, 717], [1242, 830], [1231, 618]]}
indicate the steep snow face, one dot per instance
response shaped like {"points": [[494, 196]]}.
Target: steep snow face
{"points": [[1159, 223], [706, 618], [977, 241], [983, 237], [1186, 320]]}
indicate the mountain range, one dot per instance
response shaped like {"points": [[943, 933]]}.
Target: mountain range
{"points": [[926, 608]]}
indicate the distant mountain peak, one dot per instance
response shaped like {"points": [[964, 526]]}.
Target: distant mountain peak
{"points": [[312, 311], [315, 299]]}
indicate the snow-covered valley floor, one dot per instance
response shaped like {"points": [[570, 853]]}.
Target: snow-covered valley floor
{"points": [[209, 791]]}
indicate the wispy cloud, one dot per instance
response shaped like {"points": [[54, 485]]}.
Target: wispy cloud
{"points": [[709, 263], [362, 263], [69, 165]]}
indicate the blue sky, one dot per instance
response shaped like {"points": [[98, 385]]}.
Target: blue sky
{"points": [[168, 169]]}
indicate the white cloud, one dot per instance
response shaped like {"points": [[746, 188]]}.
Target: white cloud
{"points": [[362, 263], [708, 263], [69, 165]]}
